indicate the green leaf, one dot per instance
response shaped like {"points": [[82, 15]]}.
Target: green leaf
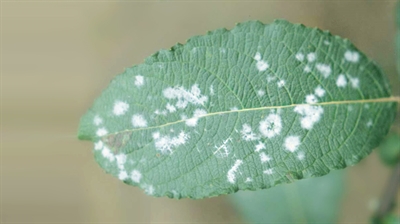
{"points": [[299, 202], [389, 150], [245, 109]]}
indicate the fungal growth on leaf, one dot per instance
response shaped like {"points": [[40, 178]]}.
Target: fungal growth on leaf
{"points": [[240, 109]]}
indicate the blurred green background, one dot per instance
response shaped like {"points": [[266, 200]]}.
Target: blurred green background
{"points": [[56, 58]]}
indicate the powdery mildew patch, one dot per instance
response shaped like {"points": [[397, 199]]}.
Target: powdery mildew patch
{"points": [[136, 176], [311, 57], [106, 152], [260, 92], [192, 122], [185, 97], [324, 69], [233, 108], [148, 189], [271, 126], [247, 133], [121, 160], [341, 81], [299, 56], [97, 120], [355, 82], [281, 83], [300, 155], [98, 145], [123, 175], [138, 121], [170, 108], [307, 69], [292, 143], [319, 91], [165, 144], [269, 171], [120, 108], [260, 146], [101, 132], [264, 157], [352, 56], [309, 115], [369, 123], [212, 90], [261, 64], [139, 80], [231, 175], [223, 150], [311, 99]]}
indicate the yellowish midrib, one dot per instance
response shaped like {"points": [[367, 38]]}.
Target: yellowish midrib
{"points": [[377, 100]]}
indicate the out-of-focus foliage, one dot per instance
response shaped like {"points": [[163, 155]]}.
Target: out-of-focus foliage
{"points": [[389, 151]]}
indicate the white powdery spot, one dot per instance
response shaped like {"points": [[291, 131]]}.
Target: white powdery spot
{"points": [[121, 160], [355, 82], [165, 144], [231, 173], [311, 99], [271, 125], [326, 42], [292, 143], [98, 145], [101, 132], [136, 176], [156, 135], [311, 57], [281, 83], [269, 171], [352, 56], [264, 157], [223, 150], [120, 108], [319, 91], [299, 56], [149, 189], [97, 120], [192, 122], [310, 115], [270, 78], [139, 121], [123, 175], [261, 65], [185, 97], [170, 108], [324, 69], [164, 112], [300, 156], [247, 133], [341, 81], [307, 69], [234, 109], [139, 80], [260, 146], [248, 180], [106, 152], [369, 123], [257, 57], [260, 92], [212, 90]]}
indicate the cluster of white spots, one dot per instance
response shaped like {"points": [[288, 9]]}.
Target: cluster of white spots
{"points": [[120, 108], [248, 180], [106, 152], [223, 150], [341, 81], [170, 108], [281, 83], [260, 92], [292, 143], [156, 135], [264, 157], [300, 56], [97, 120], [212, 90], [352, 56], [247, 133], [233, 108], [310, 115], [355, 82], [326, 42], [136, 176], [139, 121], [121, 160], [231, 173], [319, 91], [165, 144], [311, 99], [301, 155], [123, 175], [311, 57], [184, 96], [269, 171], [369, 123], [101, 132], [307, 69], [98, 145], [271, 125], [139, 80], [324, 69], [260, 146], [261, 64], [192, 122]]}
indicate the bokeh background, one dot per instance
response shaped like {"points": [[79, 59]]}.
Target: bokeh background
{"points": [[57, 56]]}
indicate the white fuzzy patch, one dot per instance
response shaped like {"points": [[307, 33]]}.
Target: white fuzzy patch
{"points": [[120, 108], [341, 81], [106, 152], [309, 115], [355, 82], [138, 121], [212, 90], [260, 92], [264, 157], [231, 173], [271, 126], [311, 57], [123, 175], [97, 120], [170, 108], [185, 97], [234, 109], [300, 156], [247, 133], [269, 171], [192, 122], [98, 145], [352, 56], [248, 180], [300, 56], [101, 132], [121, 160], [165, 144], [136, 176], [149, 189], [257, 57], [319, 91], [307, 69], [324, 69], [223, 150], [292, 143], [156, 135], [311, 99], [260, 146], [139, 80], [281, 83], [261, 65]]}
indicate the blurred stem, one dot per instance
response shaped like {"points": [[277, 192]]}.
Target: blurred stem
{"points": [[388, 200]]}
